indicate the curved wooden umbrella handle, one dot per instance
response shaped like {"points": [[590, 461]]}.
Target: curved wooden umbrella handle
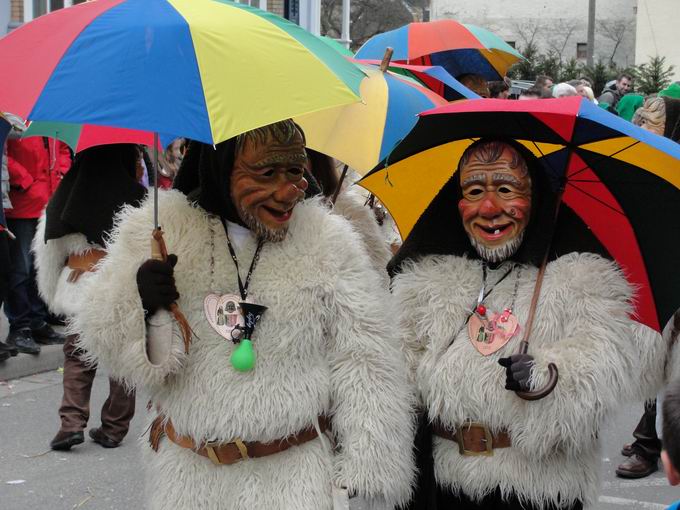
{"points": [[160, 252], [553, 375]]}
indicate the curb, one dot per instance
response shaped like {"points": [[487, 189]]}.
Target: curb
{"points": [[51, 357]]}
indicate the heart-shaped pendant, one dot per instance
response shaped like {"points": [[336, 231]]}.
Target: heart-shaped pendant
{"points": [[223, 313], [490, 335]]}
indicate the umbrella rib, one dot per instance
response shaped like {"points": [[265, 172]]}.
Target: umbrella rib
{"points": [[601, 157], [602, 202]]}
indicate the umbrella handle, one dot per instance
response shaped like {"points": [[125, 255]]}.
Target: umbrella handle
{"points": [[160, 252], [553, 375]]}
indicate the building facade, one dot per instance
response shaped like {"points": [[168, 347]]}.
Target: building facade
{"points": [[557, 27], [656, 34]]}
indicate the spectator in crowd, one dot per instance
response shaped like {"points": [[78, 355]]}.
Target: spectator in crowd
{"points": [[532, 93], [563, 90], [545, 84], [588, 92], [476, 83], [628, 105], [611, 96], [579, 86], [36, 166], [670, 455], [499, 89], [5, 127], [69, 242]]}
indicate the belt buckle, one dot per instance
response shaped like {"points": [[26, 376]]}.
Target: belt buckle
{"points": [[488, 440]]}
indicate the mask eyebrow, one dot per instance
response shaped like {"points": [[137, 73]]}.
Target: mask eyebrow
{"points": [[473, 179], [506, 178], [279, 159]]}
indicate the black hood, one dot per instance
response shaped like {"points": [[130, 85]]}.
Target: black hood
{"points": [[205, 178], [100, 182], [439, 231]]}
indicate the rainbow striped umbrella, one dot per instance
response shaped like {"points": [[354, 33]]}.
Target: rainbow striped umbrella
{"points": [[363, 134], [203, 69], [459, 48]]}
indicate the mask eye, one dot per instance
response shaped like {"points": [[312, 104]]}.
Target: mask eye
{"points": [[268, 173], [474, 192], [504, 190]]}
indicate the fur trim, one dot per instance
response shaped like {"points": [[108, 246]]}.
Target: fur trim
{"points": [[62, 297], [581, 325], [350, 204], [341, 359]]}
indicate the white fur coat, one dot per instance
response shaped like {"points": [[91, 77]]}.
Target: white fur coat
{"points": [[324, 346], [581, 325], [62, 297]]}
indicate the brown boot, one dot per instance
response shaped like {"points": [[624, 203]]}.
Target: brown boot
{"points": [[627, 450], [636, 466]]}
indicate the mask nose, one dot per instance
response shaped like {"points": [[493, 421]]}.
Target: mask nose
{"points": [[489, 208], [289, 192]]}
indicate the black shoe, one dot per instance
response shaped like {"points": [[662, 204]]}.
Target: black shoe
{"points": [[99, 437], [5, 355], [23, 341], [627, 450], [13, 351], [45, 335], [65, 440], [55, 320]]}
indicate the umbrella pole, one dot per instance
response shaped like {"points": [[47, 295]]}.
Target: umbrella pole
{"points": [[342, 179], [155, 181], [553, 373]]}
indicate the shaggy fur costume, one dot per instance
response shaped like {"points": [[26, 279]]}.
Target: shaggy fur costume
{"points": [[581, 325], [62, 297], [350, 204], [325, 345]]}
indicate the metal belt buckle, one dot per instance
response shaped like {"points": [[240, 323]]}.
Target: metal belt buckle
{"points": [[488, 440]]}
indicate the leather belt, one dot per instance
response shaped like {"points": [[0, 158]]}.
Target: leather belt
{"points": [[83, 263], [474, 438], [236, 450]]}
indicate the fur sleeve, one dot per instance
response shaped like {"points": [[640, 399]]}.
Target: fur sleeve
{"points": [[50, 259], [350, 204], [372, 401], [111, 324], [596, 358]]}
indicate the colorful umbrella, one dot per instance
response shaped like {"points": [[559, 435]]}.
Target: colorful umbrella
{"points": [[83, 136], [203, 69], [459, 48], [435, 78], [337, 46], [621, 181], [362, 134]]}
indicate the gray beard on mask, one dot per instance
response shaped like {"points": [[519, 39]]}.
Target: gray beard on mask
{"points": [[262, 231], [500, 253]]}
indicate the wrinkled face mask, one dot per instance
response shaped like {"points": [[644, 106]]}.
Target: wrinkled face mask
{"points": [[267, 181], [496, 203]]}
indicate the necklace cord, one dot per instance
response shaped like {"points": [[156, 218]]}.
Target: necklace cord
{"points": [[243, 286]]}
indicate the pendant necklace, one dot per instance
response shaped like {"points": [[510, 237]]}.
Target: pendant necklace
{"points": [[490, 331], [233, 317]]}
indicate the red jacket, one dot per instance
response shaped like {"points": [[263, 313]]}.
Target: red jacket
{"points": [[34, 174]]}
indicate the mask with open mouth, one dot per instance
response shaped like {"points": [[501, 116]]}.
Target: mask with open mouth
{"points": [[496, 199]]}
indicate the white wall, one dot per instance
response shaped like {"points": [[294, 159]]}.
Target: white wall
{"points": [[658, 23], [557, 22], [4, 16]]}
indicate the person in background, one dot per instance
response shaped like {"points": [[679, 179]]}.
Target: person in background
{"points": [[5, 127], [531, 93], [36, 166], [69, 242], [564, 90], [476, 83], [545, 84], [670, 455], [611, 96], [588, 93], [499, 89], [628, 105]]}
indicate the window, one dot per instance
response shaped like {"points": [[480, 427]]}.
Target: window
{"points": [[581, 50], [511, 43]]}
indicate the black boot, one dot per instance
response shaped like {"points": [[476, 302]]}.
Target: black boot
{"points": [[45, 335], [23, 341], [65, 440]]}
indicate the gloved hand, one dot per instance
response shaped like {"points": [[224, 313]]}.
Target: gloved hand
{"points": [[517, 371], [156, 284]]}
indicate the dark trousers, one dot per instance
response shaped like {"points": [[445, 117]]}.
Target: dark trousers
{"points": [[74, 412], [647, 444], [24, 307], [456, 501]]}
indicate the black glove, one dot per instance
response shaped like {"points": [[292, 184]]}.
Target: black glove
{"points": [[156, 284], [517, 371]]}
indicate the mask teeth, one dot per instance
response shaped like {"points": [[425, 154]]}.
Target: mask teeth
{"points": [[497, 231]]}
